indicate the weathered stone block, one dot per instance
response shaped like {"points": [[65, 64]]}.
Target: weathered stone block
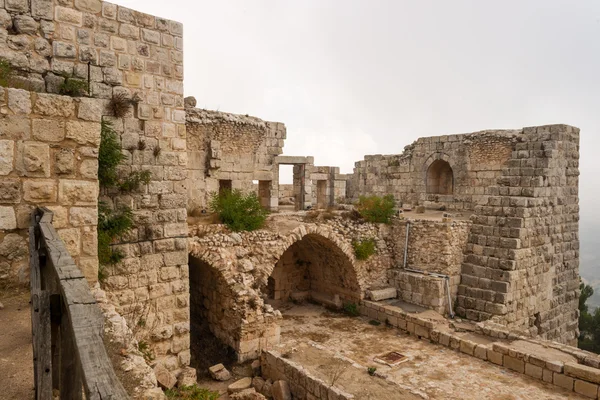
{"points": [[563, 381], [79, 193], [583, 372], [533, 371], [8, 219], [48, 130], [39, 191], [19, 101], [34, 160], [42, 9], [21, 6], [84, 133], [91, 6], [25, 24], [7, 149], [54, 106], [68, 16]]}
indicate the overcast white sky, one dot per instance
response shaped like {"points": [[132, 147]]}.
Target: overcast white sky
{"points": [[350, 78]]}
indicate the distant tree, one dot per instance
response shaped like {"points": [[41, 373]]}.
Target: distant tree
{"points": [[589, 324]]}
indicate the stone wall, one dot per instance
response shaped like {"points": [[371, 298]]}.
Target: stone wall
{"points": [[139, 56], [476, 160], [434, 246], [328, 186], [522, 258], [228, 147], [554, 363], [245, 261], [48, 157], [286, 192], [302, 384]]}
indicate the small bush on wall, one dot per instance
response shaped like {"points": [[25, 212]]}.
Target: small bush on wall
{"points": [[377, 209], [239, 211], [363, 249], [113, 223], [73, 87]]}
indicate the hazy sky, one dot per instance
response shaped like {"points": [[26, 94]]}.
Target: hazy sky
{"points": [[350, 78]]}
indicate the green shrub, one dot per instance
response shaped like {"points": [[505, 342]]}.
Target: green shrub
{"points": [[371, 370], [109, 156], [351, 309], [6, 73], [73, 87], [363, 249], [112, 224], [191, 393], [376, 209], [239, 211], [134, 180]]}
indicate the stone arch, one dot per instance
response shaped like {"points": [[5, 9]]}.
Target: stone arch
{"points": [[214, 327], [439, 176], [314, 263]]}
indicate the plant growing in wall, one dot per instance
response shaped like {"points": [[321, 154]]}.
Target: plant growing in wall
{"points": [[6, 73], [377, 209], [113, 223], [239, 211], [363, 249], [73, 87]]}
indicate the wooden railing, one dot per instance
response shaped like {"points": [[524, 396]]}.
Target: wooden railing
{"points": [[68, 351]]}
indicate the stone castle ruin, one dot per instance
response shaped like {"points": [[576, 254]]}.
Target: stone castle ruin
{"points": [[487, 227]]}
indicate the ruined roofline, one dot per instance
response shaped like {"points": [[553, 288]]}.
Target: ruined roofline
{"points": [[203, 116], [491, 133]]}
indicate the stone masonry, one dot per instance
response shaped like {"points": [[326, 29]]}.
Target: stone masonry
{"points": [[49, 149], [48, 157]]}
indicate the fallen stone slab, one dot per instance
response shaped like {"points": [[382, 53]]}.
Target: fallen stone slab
{"points": [[187, 377], [164, 377], [382, 294], [238, 386], [219, 373]]}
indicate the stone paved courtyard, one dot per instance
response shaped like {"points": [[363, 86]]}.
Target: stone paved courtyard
{"points": [[313, 337]]}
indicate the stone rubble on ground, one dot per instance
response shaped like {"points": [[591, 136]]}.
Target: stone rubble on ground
{"points": [[219, 373], [239, 385], [247, 394], [165, 379]]}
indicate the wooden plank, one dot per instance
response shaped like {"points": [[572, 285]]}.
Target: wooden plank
{"points": [[99, 378], [42, 343], [70, 370], [82, 348], [55, 317], [76, 291]]}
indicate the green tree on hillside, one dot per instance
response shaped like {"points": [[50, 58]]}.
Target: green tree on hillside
{"points": [[589, 323]]}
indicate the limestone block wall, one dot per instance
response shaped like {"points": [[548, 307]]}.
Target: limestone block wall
{"points": [[522, 257], [433, 247], [476, 160], [229, 147], [245, 261], [286, 191], [122, 51], [48, 157], [328, 186]]}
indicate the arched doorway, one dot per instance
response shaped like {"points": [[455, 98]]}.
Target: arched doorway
{"points": [[213, 328], [314, 268], [440, 178]]}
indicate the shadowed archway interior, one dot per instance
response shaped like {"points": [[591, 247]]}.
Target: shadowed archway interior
{"points": [[314, 268], [440, 178]]}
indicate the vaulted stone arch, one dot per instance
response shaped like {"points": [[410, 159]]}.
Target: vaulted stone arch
{"points": [[438, 174], [315, 264]]}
